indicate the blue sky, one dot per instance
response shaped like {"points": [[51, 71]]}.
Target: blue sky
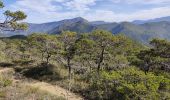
{"points": [[40, 11]]}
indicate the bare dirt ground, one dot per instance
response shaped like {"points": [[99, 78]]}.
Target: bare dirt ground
{"points": [[55, 90], [52, 89]]}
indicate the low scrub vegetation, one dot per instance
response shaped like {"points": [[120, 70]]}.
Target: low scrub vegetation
{"points": [[97, 65]]}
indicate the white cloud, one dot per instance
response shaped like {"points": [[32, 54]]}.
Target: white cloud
{"points": [[39, 11], [150, 14], [142, 1], [49, 5], [110, 16], [48, 10], [36, 5], [81, 5]]}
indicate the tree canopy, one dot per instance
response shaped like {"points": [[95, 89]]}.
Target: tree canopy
{"points": [[12, 20]]}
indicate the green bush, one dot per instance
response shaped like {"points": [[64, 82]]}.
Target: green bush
{"points": [[2, 94], [5, 82], [128, 84]]}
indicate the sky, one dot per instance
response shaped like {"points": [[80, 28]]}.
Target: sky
{"points": [[40, 11]]}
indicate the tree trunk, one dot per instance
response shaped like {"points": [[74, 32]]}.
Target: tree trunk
{"points": [[89, 65], [69, 66], [146, 68], [48, 58], [100, 60], [69, 69], [42, 55]]}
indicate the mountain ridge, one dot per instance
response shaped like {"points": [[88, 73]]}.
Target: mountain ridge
{"points": [[167, 18], [140, 32]]}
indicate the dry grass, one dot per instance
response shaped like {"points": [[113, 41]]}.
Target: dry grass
{"points": [[23, 92], [11, 89]]}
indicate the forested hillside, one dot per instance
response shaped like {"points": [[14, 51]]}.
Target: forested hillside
{"points": [[80, 60], [96, 65]]}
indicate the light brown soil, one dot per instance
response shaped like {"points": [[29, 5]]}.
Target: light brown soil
{"points": [[52, 89]]}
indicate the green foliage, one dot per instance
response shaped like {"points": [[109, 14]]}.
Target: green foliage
{"points": [[105, 42], [2, 49], [15, 16], [98, 63], [101, 36], [129, 84], [1, 4], [5, 79], [157, 58], [85, 51], [68, 40], [110, 54], [84, 44], [46, 45], [2, 94], [162, 47], [11, 20], [19, 26], [11, 49], [6, 82]]}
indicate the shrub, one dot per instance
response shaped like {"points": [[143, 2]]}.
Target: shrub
{"points": [[2, 94], [130, 83]]}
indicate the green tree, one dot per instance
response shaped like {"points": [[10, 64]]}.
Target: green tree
{"points": [[128, 84], [47, 45], [103, 41], [105, 45], [68, 40], [11, 22], [85, 50], [157, 58], [12, 50], [2, 50]]}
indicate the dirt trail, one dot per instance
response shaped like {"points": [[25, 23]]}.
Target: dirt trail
{"points": [[56, 90], [52, 89], [6, 70]]}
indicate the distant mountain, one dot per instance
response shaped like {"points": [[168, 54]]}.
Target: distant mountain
{"points": [[18, 37], [140, 32], [107, 27], [99, 22], [34, 28], [152, 20], [56, 27], [44, 28], [144, 32], [78, 25]]}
